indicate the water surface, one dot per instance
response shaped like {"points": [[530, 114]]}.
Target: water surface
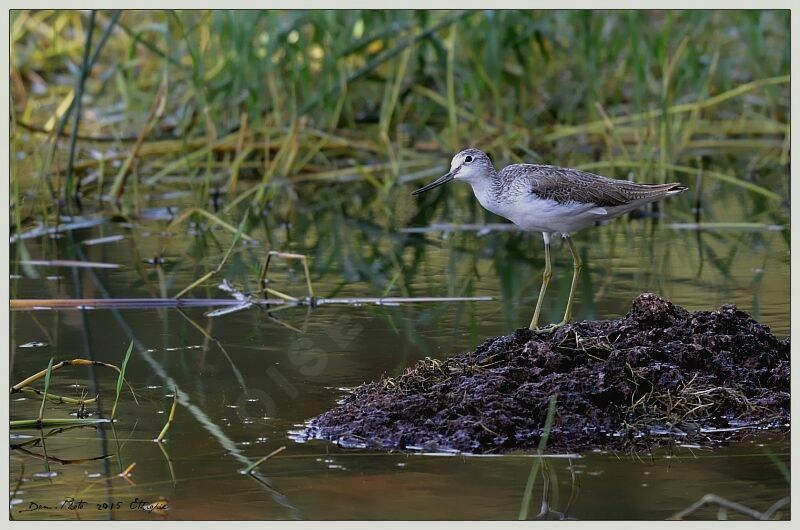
{"points": [[247, 380]]}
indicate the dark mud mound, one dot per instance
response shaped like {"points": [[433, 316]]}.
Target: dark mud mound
{"points": [[659, 373]]}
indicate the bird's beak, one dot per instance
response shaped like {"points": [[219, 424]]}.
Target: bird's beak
{"points": [[444, 179]]}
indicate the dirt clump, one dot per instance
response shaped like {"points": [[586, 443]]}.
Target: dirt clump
{"points": [[658, 374]]}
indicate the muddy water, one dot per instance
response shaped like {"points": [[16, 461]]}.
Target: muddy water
{"points": [[248, 379]]}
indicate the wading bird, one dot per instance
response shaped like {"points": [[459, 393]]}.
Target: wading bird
{"points": [[549, 199]]}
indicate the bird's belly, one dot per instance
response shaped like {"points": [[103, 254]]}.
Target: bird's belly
{"points": [[543, 215]]}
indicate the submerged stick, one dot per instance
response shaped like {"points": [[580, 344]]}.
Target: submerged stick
{"points": [[58, 399]]}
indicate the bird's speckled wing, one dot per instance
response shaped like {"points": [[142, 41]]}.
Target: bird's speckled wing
{"points": [[565, 185]]}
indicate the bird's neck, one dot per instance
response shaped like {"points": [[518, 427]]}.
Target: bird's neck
{"points": [[485, 188]]}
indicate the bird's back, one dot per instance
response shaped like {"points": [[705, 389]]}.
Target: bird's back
{"points": [[565, 185]]}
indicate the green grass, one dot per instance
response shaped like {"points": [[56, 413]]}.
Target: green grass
{"points": [[25, 386], [329, 118], [46, 389], [170, 418], [121, 379], [325, 91]]}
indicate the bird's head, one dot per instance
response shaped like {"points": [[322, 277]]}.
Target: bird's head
{"points": [[470, 165]]}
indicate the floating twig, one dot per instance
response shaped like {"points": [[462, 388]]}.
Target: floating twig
{"points": [[128, 470], [148, 303], [76, 224], [126, 474], [260, 461], [54, 422], [102, 240], [73, 362], [69, 263]]}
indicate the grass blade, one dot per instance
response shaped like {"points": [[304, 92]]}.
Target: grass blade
{"points": [[84, 73], [120, 379], [185, 215], [780, 465], [46, 388], [239, 234], [171, 417], [155, 113], [260, 461]]}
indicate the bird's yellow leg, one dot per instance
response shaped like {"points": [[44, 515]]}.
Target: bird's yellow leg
{"points": [[546, 275], [577, 265]]}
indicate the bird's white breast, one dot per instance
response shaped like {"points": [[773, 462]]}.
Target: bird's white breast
{"points": [[530, 212]]}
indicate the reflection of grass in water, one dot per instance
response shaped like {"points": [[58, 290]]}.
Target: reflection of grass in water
{"points": [[549, 499], [354, 252], [784, 471], [528, 492]]}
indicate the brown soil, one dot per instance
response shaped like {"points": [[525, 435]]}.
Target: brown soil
{"points": [[657, 374]]}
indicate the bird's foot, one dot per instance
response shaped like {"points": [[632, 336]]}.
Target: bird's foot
{"points": [[549, 329]]}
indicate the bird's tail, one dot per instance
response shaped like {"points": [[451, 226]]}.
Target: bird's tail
{"points": [[653, 192], [674, 188]]}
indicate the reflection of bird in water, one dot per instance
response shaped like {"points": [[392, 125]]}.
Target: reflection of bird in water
{"points": [[549, 200]]}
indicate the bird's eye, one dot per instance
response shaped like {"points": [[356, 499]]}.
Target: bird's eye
{"points": [[467, 159]]}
